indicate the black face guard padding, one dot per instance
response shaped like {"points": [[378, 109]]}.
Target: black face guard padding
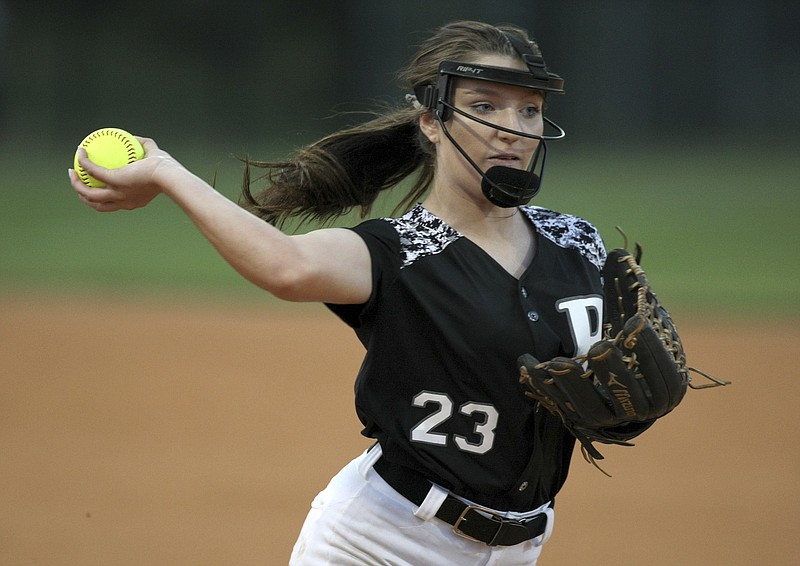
{"points": [[503, 186]]}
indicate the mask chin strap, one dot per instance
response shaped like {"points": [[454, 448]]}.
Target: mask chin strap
{"points": [[505, 187]]}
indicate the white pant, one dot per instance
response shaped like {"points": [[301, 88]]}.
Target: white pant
{"points": [[360, 520]]}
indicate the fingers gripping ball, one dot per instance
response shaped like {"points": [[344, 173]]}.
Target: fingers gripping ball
{"points": [[110, 147]]}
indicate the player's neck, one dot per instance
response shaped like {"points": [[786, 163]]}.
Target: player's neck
{"points": [[503, 233], [474, 217]]}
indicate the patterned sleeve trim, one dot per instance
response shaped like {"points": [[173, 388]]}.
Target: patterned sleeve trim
{"points": [[421, 234], [570, 232]]}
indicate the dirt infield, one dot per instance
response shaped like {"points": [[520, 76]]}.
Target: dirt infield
{"points": [[139, 433]]}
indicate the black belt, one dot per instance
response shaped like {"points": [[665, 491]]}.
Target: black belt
{"points": [[469, 521]]}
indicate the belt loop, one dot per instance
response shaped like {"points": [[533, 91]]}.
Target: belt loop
{"points": [[369, 458], [432, 502], [548, 529]]}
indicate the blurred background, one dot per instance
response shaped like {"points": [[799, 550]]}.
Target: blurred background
{"points": [[249, 71], [682, 122], [154, 406]]}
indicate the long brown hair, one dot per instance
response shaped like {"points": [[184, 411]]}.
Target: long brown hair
{"points": [[349, 168]]}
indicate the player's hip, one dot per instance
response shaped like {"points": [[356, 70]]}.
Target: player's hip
{"points": [[360, 519]]}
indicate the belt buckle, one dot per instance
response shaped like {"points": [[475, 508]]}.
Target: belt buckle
{"points": [[463, 517]]}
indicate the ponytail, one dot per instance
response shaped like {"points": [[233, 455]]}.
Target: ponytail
{"points": [[348, 169], [344, 170]]}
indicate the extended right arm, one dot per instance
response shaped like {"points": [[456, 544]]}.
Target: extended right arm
{"points": [[330, 265]]}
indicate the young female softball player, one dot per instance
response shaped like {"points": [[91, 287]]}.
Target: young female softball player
{"points": [[445, 298]]}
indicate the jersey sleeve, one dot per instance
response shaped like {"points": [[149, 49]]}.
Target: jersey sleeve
{"points": [[384, 249], [569, 232]]}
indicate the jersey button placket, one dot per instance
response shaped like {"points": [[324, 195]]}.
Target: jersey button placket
{"points": [[531, 314]]}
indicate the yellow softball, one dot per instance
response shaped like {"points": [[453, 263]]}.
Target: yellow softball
{"points": [[110, 147]]}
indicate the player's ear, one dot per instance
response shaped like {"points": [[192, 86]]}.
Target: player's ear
{"points": [[430, 127]]}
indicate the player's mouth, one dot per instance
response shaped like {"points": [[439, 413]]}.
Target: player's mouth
{"points": [[506, 160]]}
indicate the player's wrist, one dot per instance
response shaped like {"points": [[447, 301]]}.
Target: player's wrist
{"points": [[182, 186], [170, 176]]}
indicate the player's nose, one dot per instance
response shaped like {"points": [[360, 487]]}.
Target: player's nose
{"points": [[510, 121]]}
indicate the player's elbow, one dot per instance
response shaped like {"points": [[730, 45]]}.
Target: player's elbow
{"points": [[290, 284]]}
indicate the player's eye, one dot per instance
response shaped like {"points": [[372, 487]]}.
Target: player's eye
{"points": [[531, 111], [481, 108]]}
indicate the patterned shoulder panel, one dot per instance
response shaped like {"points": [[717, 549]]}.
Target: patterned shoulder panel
{"points": [[421, 234], [569, 231]]}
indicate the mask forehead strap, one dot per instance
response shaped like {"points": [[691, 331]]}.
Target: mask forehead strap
{"points": [[529, 52]]}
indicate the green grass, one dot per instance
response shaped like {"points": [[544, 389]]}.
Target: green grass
{"points": [[718, 226], [50, 241]]}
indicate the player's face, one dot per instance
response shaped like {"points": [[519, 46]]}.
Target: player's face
{"points": [[512, 107]]}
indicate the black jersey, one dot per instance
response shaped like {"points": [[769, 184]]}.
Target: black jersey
{"points": [[443, 329]]}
